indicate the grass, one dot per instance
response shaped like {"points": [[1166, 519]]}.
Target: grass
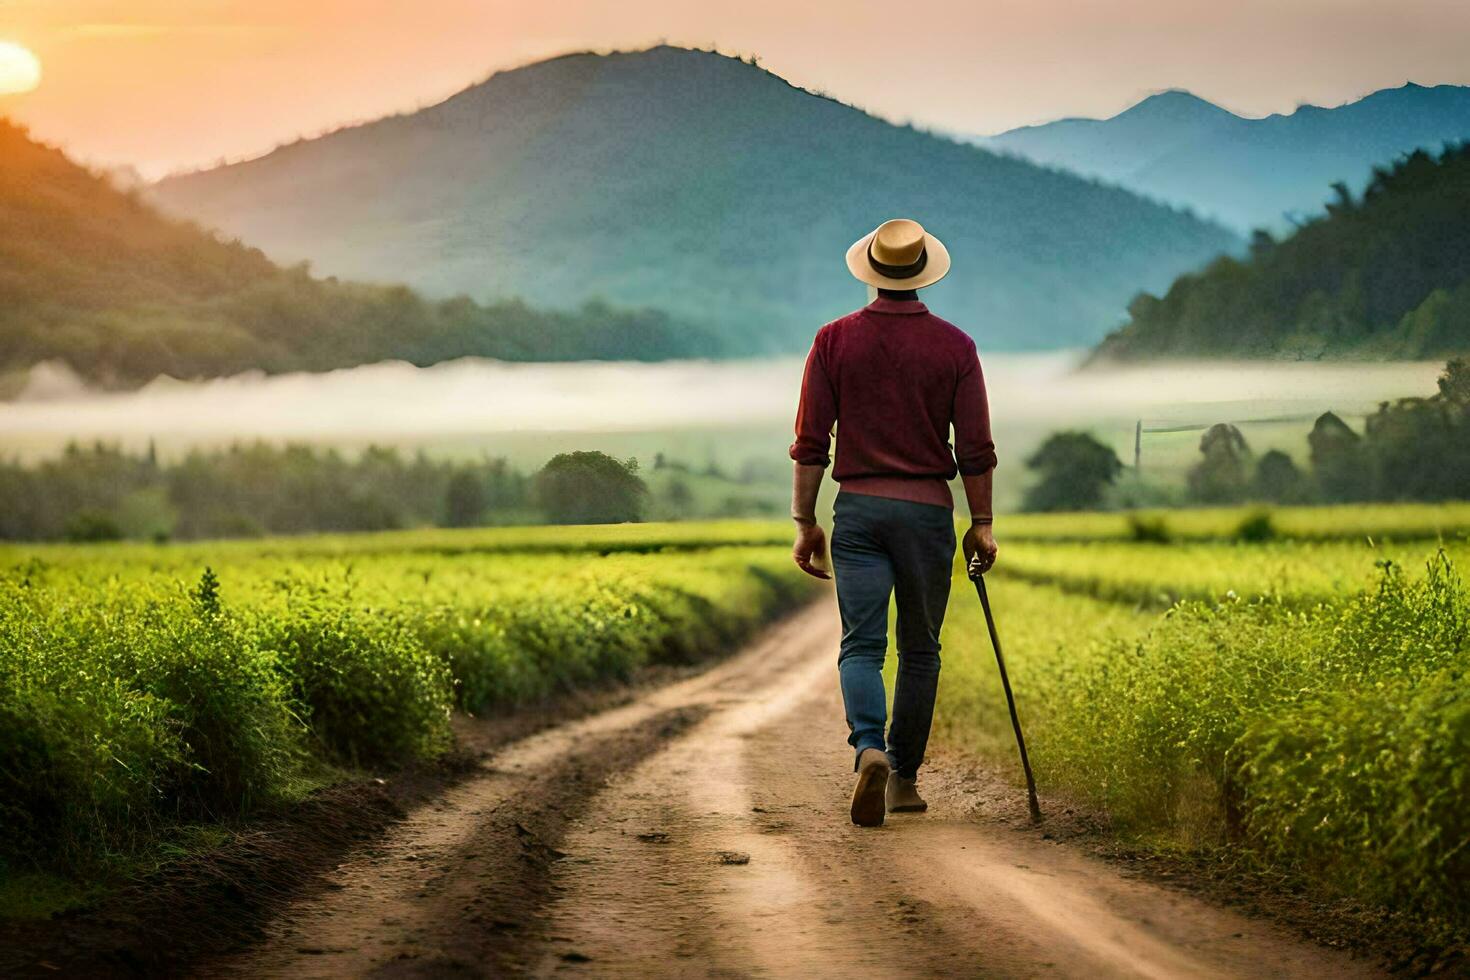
{"points": [[534, 539], [1046, 633], [1380, 522], [1293, 573], [1297, 706], [1295, 701], [143, 692]]}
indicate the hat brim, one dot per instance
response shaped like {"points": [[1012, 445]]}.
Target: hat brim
{"points": [[936, 266]]}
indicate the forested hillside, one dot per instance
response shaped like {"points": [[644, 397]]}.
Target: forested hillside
{"points": [[701, 185], [97, 278], [1386, 274]]}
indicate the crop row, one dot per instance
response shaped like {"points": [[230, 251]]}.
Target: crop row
{"points": [[138, 693], [1379, 522], [601, 539], [1328, 743], [1295, 574]]}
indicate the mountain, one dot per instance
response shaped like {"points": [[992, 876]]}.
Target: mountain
{"points": [[1118, 148], [97, 278], [700, 185], [1248, 173], [1386, 274]]}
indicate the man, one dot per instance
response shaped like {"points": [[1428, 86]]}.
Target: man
{"points": [[893, 378]]}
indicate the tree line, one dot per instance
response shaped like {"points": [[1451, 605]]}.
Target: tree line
{"points": [[100, 492], [1384, 274], [1409, 449]]}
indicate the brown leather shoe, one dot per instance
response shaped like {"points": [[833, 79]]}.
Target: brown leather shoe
{"points": [[868, 804], [903, 795]]}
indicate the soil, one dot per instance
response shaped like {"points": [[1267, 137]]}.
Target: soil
{"points": [[700, 829]]}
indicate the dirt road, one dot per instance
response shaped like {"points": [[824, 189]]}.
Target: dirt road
{"points": [[701, 830]]}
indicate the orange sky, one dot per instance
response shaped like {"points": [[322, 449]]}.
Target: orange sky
{"points": [[164, 84]]}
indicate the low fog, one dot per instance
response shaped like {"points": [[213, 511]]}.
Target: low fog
{"points": [[396, 402]]}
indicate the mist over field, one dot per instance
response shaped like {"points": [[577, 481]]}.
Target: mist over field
{"points": [[476, 401]]}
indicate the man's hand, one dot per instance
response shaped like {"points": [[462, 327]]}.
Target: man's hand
{"points": [[810, 551], [980, 540]]}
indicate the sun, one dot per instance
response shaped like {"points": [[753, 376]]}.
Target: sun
{"points": [[20, 71]]}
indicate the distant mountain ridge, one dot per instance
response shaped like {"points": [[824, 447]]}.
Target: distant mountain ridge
{"points": [[700, 185], [1247, 173]]}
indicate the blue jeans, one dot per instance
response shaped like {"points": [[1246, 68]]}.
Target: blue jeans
{"points": [[883, 547]]}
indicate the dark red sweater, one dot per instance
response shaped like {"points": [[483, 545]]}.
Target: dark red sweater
{"points": [[893, 378]]}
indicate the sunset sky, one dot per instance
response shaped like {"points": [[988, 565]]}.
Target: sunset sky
{"points": [[164, 84]]}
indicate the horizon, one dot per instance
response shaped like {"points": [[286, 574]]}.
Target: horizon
{"points": [[758, 65], [237, 80]]}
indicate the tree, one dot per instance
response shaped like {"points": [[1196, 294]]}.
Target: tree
{"points": [[1342, 202], [249, 489], [1075, 469], [89, 526], [1222, 477], [1386, 274], [1338, 463], [1278, 480], [464, 499], [590, 488], [680, 498], [1419, 449], [1454, 383]]}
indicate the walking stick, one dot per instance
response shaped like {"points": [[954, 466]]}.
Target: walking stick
{"points": [[978, 577]]}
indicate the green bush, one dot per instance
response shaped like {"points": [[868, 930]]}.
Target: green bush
{"points": [[1368, 789], [227, 701], [89, 525], [370, 690], [81, 769], [604, 622], [127, 709], [130, 705], [1147, 529], [1256, 527], [1331, 741]]}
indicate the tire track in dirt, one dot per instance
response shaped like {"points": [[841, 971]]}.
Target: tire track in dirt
{"points": [[456, 886], [702, 831], [940, 894]]}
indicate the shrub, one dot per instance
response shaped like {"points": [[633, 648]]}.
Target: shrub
{"points": [[125, 710], [92, 526], [1149, 529], [130, 705], [372, 693], [604, 622], [1331, 742], [227, 701], [1367, 789], [1255, 528]]}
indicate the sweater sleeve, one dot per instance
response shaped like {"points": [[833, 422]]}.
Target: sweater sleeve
{"points": [[974, 449], [816, 413]]}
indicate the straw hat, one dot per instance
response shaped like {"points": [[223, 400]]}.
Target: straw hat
{"points": [[899, 254]]}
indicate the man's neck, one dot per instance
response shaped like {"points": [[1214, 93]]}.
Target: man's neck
{"points": [[900, 294]]}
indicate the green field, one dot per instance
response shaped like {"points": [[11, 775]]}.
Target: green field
{"points": [[1292, 700], [140, 695], [1375, 523], [1303, 712]]}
